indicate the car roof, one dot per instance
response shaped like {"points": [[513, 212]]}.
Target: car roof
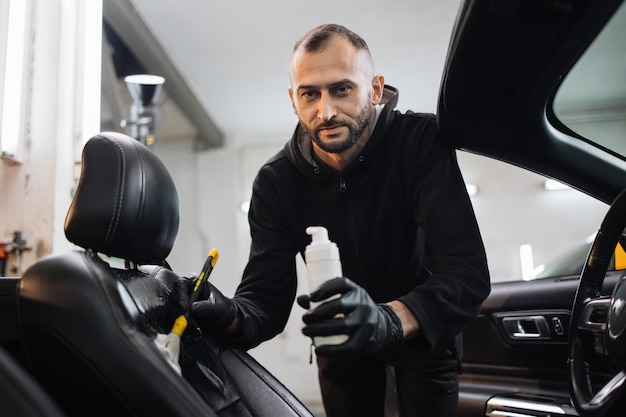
{"points": [[506, 61]]}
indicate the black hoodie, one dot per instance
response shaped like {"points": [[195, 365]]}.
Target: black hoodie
{"points": [[400, 215]]}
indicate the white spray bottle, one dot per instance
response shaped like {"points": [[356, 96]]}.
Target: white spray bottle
{"points": [[322, 263]]}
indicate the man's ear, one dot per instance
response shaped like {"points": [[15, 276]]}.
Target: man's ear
{"points": [[378, 85]]}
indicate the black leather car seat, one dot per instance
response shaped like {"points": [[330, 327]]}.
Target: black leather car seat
{"points": [[20, 394], [87, 323], [82, 331]]}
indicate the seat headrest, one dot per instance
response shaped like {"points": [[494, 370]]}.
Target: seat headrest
{"points": [[125, 204]]}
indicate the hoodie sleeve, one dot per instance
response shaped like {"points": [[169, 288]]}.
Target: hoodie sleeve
{"points": [[268, 287], [454, 254]]}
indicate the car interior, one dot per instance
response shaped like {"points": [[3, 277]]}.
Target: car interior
{"points": [[77, 329], [542, 347], [85, 327]]}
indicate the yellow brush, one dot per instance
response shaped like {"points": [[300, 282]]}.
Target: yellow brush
{"points": [[170, 344]]}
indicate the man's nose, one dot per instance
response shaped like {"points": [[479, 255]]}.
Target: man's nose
{"points": [[326, 108]]}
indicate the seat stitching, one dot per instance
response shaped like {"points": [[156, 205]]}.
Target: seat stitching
{"points": [[119, 198]]}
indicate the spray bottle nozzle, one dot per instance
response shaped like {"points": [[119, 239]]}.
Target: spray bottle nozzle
{"points": [[319, 235]]}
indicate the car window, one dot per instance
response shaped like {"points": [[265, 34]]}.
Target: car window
{"points": [[526, 223], [531, 228], [592, 99], [569, 263]]}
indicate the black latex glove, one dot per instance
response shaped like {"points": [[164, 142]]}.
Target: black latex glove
{"points": [[370, 327], [212, 310]]}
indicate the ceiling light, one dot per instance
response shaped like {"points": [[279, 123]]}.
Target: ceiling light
{"points": [[553, 185], [526, 261]]}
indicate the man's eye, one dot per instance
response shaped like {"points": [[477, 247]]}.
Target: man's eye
{"points": [[344, 89], [309, 95]]}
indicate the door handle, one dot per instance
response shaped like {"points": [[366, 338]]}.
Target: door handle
{"points": [[526, 327]]}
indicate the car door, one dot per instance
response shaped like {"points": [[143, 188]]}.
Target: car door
{"points": [[515, 352], [521, 88]]}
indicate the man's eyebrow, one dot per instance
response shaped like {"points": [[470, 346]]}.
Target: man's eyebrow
{"points": [[306, 87], [332, 85]]}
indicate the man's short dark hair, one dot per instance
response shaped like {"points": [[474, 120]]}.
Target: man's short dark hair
{"points": [[317, 38]]}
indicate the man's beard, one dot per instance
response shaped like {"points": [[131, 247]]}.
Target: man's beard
{"points": [[355, 130]]}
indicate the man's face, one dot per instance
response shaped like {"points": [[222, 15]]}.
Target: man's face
{"points": [[331, 92]]}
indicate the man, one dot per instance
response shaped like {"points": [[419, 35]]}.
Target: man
{"points": [[391, 196]]}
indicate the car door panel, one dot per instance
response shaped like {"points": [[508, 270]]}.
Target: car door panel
{"points": [[515, 351]]}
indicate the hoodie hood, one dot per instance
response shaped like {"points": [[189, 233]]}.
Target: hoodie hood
{"points": [[299, 148]]}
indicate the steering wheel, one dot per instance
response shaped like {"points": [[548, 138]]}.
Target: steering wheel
{"points": [[598, 323]]}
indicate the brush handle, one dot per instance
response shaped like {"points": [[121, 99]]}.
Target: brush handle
{"points": [[209, 264]]}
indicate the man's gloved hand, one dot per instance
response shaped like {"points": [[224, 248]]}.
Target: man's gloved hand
{"points": [[213, 311], [370, 327]]}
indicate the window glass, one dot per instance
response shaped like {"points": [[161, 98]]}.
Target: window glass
{"points": [[592, 99], [4, 25], [13, 58], [519, 216], [548, 224]]}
